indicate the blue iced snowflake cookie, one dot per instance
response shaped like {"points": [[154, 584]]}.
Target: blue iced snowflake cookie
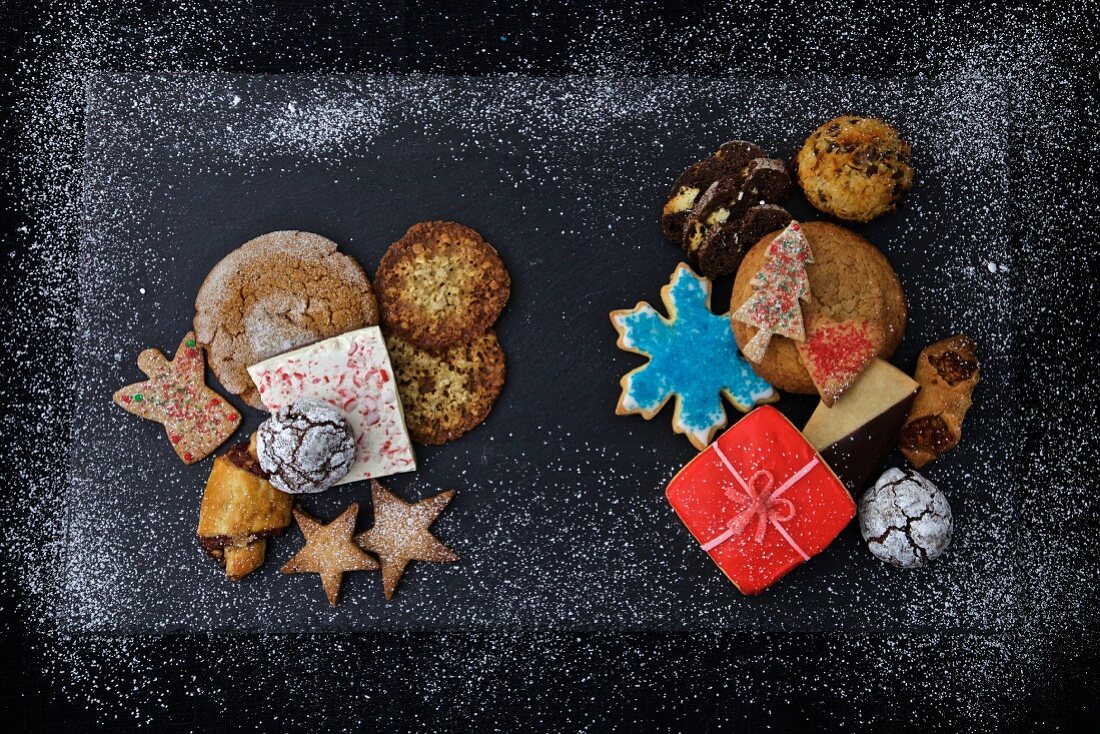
{"points": [[692, 355]]}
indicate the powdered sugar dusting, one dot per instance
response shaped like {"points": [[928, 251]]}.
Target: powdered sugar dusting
{"points": [[1014, 70]]}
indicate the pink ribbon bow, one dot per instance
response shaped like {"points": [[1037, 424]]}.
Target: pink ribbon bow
{"points": [[759, 502]]}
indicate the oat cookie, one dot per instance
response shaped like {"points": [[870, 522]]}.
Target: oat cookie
{"points": [[275, 293], [855, 168], [849, 280], [330, 550], [446, 394], [441, 285]]}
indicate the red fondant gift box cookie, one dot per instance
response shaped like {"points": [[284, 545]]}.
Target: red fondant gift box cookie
{"points": [[760, 500]]}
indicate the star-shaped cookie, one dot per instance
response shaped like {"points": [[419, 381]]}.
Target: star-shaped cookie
{"points": [[400, 533], [196, 419], [329, 550]]}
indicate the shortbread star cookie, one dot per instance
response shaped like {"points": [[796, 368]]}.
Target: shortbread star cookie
{"points": [[196, 419], [692, 355], [329, 551], [400, 533]]}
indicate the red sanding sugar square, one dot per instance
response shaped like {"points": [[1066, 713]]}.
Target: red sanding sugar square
{"points": [[760, 500]]}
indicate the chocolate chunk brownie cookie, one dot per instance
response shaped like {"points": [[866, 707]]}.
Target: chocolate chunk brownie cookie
{"points": [[448, 393], [849, 280], [855, 168], [441, 285], [275, 293], [728, 162], [710, 226]]}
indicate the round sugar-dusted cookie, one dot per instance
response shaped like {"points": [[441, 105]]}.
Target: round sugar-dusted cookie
{"points": [[445, 394], [849, 280], [275, 293], [441, 285]]}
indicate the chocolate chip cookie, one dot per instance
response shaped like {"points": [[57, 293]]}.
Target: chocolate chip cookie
{"points": [[854, 168]]}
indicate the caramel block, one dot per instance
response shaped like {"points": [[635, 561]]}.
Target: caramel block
{"points": [[856, 433]]}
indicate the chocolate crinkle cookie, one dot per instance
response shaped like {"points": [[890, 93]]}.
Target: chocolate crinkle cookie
{"points": [[905, 519], [306, 447], [706, 211]]}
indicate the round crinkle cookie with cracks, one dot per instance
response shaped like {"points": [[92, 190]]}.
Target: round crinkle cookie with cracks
{"points": [[441, 285]]}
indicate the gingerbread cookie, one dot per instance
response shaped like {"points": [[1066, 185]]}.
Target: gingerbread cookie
{"points": [[692, 356], [854, 168], [275, 293], [448, 393], [850, 280], [401, 534], [196, 419], [441, 285]]}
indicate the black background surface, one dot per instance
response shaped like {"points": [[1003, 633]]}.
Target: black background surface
{"points": [[599, 681], [560, 515]]}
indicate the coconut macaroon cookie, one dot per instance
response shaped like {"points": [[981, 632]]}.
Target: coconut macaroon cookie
{"points": [[850, 280], [275, 293], [441, 285], [855, 168]]}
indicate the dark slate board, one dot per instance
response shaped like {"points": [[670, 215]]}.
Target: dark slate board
{"points": [[560, 516]]}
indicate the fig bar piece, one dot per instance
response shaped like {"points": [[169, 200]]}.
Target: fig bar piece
{"points": [[760, 500], [947, 372], [240, 510], [856, 432], [352, 372]]}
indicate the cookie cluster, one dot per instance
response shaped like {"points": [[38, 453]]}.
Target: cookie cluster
{"points": [[441, 288], [815, 309], [720, 206]]}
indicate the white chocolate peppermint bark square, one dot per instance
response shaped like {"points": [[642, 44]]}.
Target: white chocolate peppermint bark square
{"points": [[352, 371]]}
